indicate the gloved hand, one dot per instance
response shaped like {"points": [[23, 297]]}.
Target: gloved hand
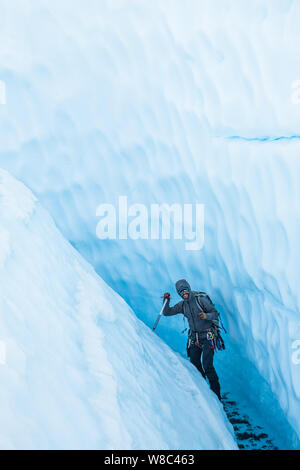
{"points": [[202, 315], [166, 296]]}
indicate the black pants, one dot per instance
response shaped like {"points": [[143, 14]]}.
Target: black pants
{"points": [[206, 367]]}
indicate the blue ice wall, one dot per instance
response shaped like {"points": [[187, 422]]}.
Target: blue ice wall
{"points": [[169, 103]]}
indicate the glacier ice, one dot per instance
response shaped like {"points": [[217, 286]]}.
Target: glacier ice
{"points": [[169, 102], [80, 370]]}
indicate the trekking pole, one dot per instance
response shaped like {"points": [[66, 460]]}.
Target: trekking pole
{"points": [[160, 314]]}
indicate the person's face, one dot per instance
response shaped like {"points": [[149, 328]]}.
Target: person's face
{"points": [[184, 294]]}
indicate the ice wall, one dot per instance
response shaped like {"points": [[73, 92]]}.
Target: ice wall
{"points": [[78, 369], [169, 102]]}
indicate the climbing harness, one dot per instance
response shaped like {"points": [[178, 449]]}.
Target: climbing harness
{"points": [[193, 339]]}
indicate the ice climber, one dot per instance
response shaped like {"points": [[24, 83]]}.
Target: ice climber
{"points": [[204, 335]]}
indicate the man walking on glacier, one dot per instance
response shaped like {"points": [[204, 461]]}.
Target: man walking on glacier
{"points": [[203, 336]]}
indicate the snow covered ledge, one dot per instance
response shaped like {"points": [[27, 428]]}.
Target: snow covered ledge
{"points": [[78, 369]]}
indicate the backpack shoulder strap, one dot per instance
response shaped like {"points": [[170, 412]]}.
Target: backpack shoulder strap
{"points": [[199, 295], [204, 294]]}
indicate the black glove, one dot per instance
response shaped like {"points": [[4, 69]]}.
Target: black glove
{"points": [[167, 296]]}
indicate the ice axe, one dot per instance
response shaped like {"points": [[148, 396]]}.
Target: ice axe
{"points": [[160, 314]]}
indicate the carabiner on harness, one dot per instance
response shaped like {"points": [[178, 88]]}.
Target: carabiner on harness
{"points": [[211, 339]]}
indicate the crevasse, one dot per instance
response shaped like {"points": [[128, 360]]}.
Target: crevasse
{"points": [[117, 100]]}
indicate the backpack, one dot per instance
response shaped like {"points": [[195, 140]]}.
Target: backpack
{"points": [[219, 342]]}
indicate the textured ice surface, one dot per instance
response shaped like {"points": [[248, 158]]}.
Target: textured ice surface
{"points": [[169, 102], [81, 371]]}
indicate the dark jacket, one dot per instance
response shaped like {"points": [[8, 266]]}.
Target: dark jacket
{"points": [[190, 309]]}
